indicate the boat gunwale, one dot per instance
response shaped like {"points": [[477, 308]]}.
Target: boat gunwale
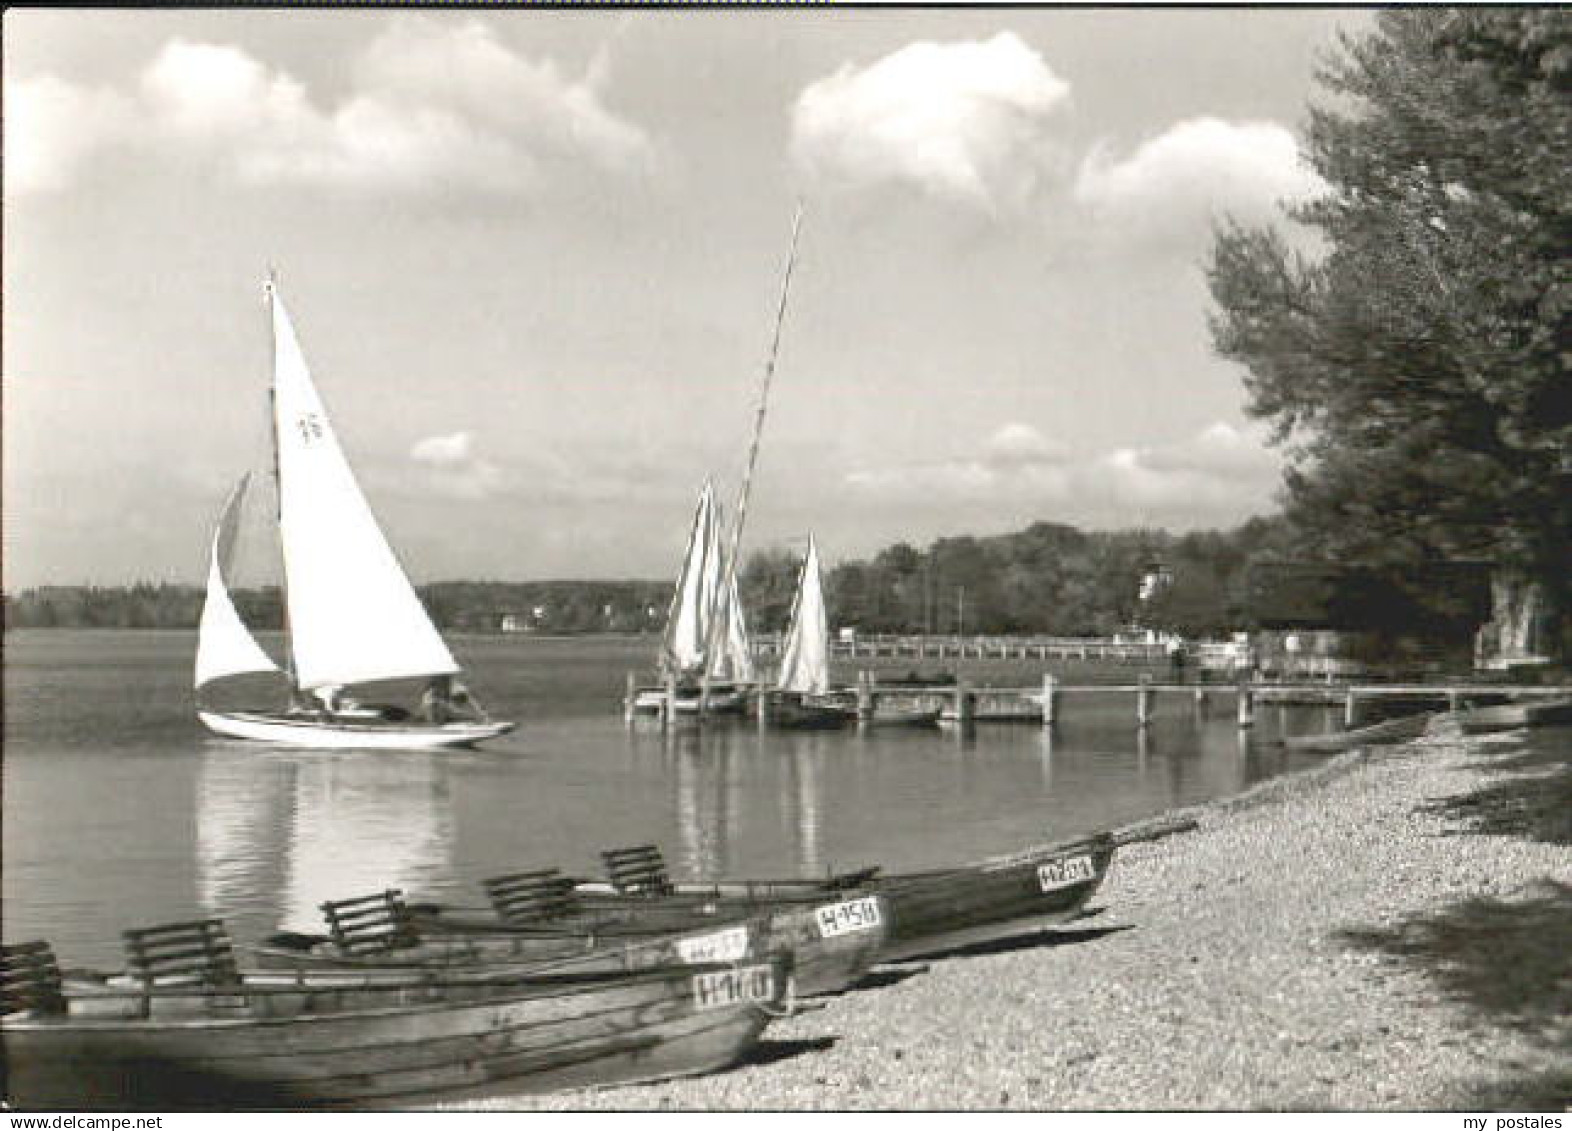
{"points": [[510, 988]]}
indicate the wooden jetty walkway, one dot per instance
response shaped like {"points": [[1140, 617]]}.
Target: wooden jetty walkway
{"points": [[967, 704]]}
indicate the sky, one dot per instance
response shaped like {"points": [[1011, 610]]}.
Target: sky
{"points": [[534, 259]]}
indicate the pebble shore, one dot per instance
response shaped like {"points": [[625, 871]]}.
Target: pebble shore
{"points": [[1341, 939]]}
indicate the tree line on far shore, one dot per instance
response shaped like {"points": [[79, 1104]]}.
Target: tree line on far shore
{"points": [[1046, 579]]}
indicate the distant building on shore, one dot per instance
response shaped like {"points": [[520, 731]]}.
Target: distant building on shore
{"points": [[1312, 618]]}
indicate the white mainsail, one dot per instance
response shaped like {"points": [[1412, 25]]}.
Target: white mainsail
{"points": [[688, 622], [353, 615], [225, 646], [805, 662], [735, 661], [701, 616]]}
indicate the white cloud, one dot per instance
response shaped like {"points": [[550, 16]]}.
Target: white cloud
{"points": [[454, 447], [1020, 445], [1218, 450], [1016, 458], [431, 106], [963, 121], [467, 72], [453, 468], [1220, 474], [52, 127], [1177, 182]]}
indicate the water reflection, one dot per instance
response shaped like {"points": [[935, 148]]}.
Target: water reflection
{"points": [[701, 762], [243, 814], [284, 832], [805, 795], [726, 780]]}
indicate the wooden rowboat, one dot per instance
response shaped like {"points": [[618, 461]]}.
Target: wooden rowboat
{"points": [[925, 912], [1510, 716], [381, 932], [1377, 734], [833, 939], [223, 1040]]}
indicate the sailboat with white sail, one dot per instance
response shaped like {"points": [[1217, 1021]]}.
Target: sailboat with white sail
{"points": [[706, 639], [801, 698], [704, 652], [352, 616]]}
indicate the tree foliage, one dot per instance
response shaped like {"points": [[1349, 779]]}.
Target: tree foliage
{"points": [[1046, 579], [1413, 361]]}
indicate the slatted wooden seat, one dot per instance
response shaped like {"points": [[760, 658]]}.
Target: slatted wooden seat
{"points": [[371, 924], [532, 897], [845, 881], [196, 951], [30, 979], [637, 871]]}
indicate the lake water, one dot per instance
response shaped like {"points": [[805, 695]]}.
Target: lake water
{"points": [[121, 811]]}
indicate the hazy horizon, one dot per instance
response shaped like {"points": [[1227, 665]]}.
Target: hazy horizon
{"points": [[534, 258]]}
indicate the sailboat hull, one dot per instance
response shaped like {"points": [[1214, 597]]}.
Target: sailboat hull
{"points": [[721, 701], [320, 734]]}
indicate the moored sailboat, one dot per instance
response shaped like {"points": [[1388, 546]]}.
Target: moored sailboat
{"points": [[704, 652], [801, 698], [352, 616]]}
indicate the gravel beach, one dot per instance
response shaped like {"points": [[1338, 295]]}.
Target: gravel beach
{"points": [[1391, 930]]}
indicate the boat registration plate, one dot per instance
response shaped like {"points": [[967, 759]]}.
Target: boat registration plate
{"points": [[1064, 872], [715, 946], [720, 988], [847, 917]]}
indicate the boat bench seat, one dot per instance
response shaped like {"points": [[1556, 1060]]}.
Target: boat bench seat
{"points": [[198, 951], [371, 924], [846, 881], [637, 871], [30, 979], [525, 897]]}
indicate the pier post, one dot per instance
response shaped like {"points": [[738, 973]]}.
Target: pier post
{"points": [[668, 707], [1050, 699], [1350, 709], [865, 702], [965, 704], [761, 702], [1454, 700], [1200, 699], [1143, 701], [627, 700], [1246, 706]]}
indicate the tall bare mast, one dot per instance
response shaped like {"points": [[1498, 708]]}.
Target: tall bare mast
{"points": [[723, 594], [270, 296]]}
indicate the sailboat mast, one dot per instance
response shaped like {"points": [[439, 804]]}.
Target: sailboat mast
{"points": [[270, 295], [723, 594]]}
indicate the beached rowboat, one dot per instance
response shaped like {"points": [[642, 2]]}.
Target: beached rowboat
{"points": [[832, 939], [250, 1040], [381, 932], [925, 912]]}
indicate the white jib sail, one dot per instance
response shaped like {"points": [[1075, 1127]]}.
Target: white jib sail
{"points": [[687, 624], [224, 645], [353, 615], [805, 662], [735, 661]]}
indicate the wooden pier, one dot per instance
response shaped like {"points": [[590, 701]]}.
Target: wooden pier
{"points": [[967, 705]]}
